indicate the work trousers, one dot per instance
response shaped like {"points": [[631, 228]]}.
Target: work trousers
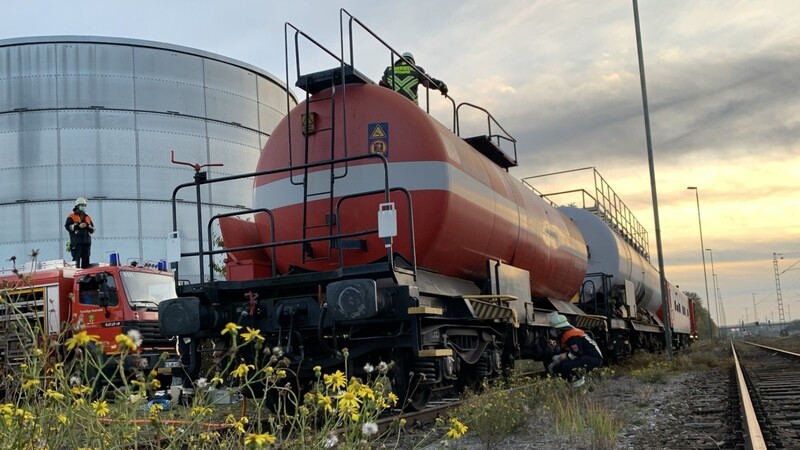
{"points": [[567, 369], [80, 254]]}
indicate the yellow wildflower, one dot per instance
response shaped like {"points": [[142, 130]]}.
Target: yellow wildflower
{"points": [[393, 398], [125, 342], [209, 436], [325, 402], [30, 382], [457, 429], [62, 419], [251, 334], [80, 390], [217, 379], [348, 403], [201, 411], [231, 328], [154, 410], [81, 339], [259, 439], [239, 425], [335, 380], [242, 370], [100, 408], [50, 393], [366, 392]]}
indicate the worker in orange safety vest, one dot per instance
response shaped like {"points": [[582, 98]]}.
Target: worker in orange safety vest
{"points": [[579, 352], [80, 228]]}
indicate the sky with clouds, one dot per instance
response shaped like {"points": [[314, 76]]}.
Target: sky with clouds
{"points": [[723, 82]]}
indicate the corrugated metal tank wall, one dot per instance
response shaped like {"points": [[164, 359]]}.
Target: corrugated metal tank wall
{"points": [[96, 117]]}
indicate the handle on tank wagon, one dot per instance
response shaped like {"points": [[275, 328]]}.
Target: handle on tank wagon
{"points": [[239, 213], [203, 181], [375, 230]]}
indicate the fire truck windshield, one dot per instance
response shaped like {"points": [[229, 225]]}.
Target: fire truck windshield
{"points": [[146, 290]]}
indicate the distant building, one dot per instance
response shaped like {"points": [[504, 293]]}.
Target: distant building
{"points": [[96, 117]]}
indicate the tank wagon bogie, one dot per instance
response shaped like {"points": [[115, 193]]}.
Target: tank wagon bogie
{"points": [[378, 230]]}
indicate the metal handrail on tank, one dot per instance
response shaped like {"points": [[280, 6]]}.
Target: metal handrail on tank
{"points": [[267, 211], [297, 34], [606, 204], [589, 286], [411, 242], [489, 120], [394, 55], [200, 181]]}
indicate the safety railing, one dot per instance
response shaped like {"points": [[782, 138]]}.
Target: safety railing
{"points": [[203, 253], [606, 204], [346, 18], [496, 154]]}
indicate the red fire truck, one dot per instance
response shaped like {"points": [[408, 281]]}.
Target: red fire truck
{"points": [[106, 300]]}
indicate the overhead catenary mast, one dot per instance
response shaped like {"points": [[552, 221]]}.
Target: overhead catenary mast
{"points": [[778, 287]]}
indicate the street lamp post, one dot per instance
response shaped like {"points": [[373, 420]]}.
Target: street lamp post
{"points": [[703, 253], [714, 286], [653, 192]]}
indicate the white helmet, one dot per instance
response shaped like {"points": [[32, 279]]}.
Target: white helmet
{"points": [[81, 201], [409, 56]]}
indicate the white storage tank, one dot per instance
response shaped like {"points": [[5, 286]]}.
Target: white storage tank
{"points": [[97, 117]]}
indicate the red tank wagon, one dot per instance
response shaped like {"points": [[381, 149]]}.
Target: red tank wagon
{"points": [[466, 208], [379, 230]]}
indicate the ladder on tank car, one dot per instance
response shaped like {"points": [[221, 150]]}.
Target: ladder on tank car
{"points": [[312, 84]]}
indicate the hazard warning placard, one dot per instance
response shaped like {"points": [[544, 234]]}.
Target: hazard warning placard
{"points": [[378, 138]]}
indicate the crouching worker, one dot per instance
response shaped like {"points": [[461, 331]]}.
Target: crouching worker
{"points": [[579, 352]]}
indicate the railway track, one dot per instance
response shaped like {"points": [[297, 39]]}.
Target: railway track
{"points": [[767, 380]]}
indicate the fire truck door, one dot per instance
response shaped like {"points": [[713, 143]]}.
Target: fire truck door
{"points": [[97, 303]]}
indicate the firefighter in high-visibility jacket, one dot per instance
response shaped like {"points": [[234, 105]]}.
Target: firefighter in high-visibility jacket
{"points": [[405, 78], [80, 228], [579, 352]]}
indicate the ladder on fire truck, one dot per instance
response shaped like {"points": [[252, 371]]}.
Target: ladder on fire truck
{"points": [[23, 311]]}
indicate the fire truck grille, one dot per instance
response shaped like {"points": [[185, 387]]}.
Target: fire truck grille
{"points": [[151, 335]]}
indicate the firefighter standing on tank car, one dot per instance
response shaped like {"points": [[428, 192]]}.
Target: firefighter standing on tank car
{"points": [[580, 353], [405, 78], [80, 228]]}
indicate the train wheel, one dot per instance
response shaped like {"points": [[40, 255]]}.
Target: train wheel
{"points": [[471, 377], [418, 399], [414, 395]]}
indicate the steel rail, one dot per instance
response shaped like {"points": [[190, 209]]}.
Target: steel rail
{"points": [[753, 438], [773, 349]]}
